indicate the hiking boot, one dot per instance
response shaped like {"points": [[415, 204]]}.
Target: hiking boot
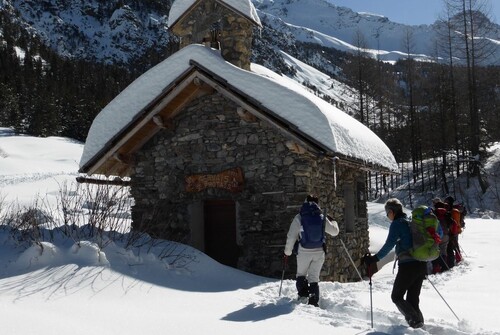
{"points": [[303, 300], [314, 294], [313, 302], [416, 324], [302, 286]]}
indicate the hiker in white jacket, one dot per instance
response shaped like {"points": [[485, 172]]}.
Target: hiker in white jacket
{"points": [[309, 227]]}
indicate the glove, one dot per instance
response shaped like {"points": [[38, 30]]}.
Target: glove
{"points": [[369, 259]]}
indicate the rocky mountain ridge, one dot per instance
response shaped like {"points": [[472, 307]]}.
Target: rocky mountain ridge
{"points": [[121, 32]]}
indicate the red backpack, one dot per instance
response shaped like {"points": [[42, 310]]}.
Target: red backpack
{"points": [[444, 221], [457, 220]]}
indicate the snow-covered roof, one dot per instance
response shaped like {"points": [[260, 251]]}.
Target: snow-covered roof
{"points": [[244, 7], [335, 131]]}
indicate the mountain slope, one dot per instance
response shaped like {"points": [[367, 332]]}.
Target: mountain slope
{"points": [[343, 29], [122, 31], [95, 30]]}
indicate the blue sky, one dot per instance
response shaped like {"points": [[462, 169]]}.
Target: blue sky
{"points": [[407, 11]]}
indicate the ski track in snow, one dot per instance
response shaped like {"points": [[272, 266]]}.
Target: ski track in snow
{"points": [[31, 177], [339, 306]]}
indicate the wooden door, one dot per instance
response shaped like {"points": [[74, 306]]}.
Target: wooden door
{"points": [[220, 231]]}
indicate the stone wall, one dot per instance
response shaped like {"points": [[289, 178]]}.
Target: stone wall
{"points": [[235, 32], [211, 135], [337, 266]]}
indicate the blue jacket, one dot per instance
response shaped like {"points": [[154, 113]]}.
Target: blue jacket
{"points": [[399, 236]]}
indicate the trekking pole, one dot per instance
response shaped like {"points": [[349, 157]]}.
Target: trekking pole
{"points": [[462, 251], [352, 262], [444, 262], [359, 274], [426, 277], [285, 261], [369, 269]]}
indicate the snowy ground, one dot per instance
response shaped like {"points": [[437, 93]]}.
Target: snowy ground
{"points": [[75, 288]]}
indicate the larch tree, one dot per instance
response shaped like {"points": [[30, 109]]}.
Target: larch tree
{"points": [[470, 23]]}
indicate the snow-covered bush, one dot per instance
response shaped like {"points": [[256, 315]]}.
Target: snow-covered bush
{"points": [[92, 218]]}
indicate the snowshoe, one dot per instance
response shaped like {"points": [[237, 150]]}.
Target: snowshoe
{"points": [[302, 300], [416, 324]]}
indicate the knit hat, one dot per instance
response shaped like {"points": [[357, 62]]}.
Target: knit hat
{"points": [[312, 198], [394, 205], [439, 204]]}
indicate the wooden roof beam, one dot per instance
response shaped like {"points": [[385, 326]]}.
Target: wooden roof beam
{"points": [[162, 122], [170, 102]]}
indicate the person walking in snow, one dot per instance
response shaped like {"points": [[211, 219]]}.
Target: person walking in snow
{"points": [[309, 227], [455, 212], [441, 263], [411, 273]]}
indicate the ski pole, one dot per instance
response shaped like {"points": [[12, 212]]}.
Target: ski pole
{"points": [[359, 274], [444, 262], [442, 297], [352, 262], [285, 260], [369, 268], [462, 251]]}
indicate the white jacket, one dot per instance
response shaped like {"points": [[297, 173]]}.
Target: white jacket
{"points": [[331, 228]]}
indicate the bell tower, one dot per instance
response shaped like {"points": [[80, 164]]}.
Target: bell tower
{"points": [[220, 24]]}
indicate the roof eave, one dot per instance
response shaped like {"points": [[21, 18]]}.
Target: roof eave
{"points": [[96, 163], [92, 165]]}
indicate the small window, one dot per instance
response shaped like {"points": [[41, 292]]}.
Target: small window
{"points": [[349, 209], [361, 200]]}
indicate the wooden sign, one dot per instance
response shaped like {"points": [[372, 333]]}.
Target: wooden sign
{"points": [[231, 180]]}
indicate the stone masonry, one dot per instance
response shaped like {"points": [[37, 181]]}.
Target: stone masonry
{"points": [[214, 24], [210, 136]]}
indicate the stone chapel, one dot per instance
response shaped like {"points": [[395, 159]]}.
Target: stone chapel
{"points": [[221, 152]]}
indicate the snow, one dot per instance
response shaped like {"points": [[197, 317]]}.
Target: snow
{"points": [[244, 7], [20, 52], [78, 29], [335, 130], [55, 159], [62, 286], [323, 83], [339, 27]]}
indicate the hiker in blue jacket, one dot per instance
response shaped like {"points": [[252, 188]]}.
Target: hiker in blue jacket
{"points": [[411, 273], [310, 257]]}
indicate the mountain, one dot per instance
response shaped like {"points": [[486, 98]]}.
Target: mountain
{"points": [[122, 31], [323, 23], [336, 27], [96, 30]]}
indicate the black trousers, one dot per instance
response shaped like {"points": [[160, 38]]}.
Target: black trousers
{"points": [[409, 281]]}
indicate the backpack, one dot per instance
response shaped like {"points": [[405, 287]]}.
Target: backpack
{"points": [[444, 220], [312, 231], [454, 227], [458, 213], [424, 227]]}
